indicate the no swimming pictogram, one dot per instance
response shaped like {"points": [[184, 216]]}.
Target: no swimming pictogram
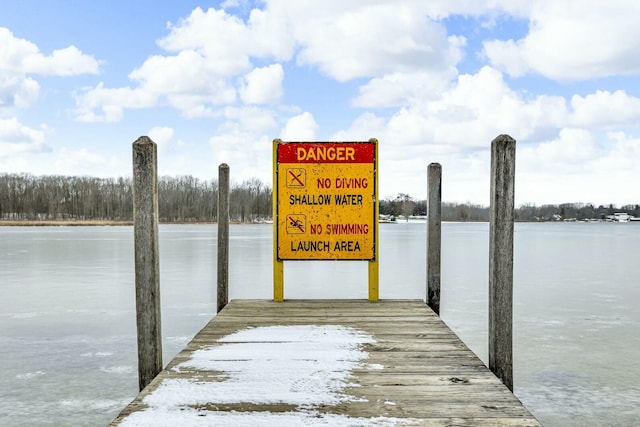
{"points": [[296, 224]]}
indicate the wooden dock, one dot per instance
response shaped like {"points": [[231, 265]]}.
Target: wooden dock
{"points": [[407, 368]]}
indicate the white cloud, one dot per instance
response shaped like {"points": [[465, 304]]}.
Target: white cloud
{"points": [[227, 42], [365, 126], [161, 135], [13, 51], [244, 142], [251, 118], [110, 103], [366, 40], [470, 113], [605, 109], [17, 90], [488, 9], [302, 127], [580, 166], [398, 89], [248, 154], [210, 50], [218, 37], [229, 4], [569, 40], [17, 138], [69, 61], [262, 85], [623, 157], [568, 153], [20, 58], [187, 80], [508, 56], [401, 62], [477, 107], [174, 158], [555, 137], [21, 55], [71, 161], [271, 32]]}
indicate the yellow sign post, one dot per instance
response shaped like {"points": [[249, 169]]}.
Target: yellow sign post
{"points": [[325, 205]]}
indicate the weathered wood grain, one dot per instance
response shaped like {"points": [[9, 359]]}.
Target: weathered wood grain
{"points": [[434, 226], [424, 373], [223, 236], [501, 219], [147, 259]]}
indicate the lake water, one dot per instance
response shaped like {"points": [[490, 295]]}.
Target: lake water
{"points": [[67, 310]]}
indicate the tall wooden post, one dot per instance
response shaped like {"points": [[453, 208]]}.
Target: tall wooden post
{"points": [[147, 265], [374, 264], [223, 236], [434, 215], [503, 165], [278, 264]]}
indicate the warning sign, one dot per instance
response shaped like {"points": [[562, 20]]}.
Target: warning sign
{"points": [[326, 200]]}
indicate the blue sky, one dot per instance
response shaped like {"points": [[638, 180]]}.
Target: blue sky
{"points": [[436, 81]]}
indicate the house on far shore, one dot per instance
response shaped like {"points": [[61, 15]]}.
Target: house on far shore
{"points": [[620, 217]]}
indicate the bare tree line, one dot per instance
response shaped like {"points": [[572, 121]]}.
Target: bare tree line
{"points": [[569, 211], [403, 205], [190, 199], [180, 199]]}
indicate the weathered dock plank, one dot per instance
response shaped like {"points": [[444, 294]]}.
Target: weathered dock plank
{"points": [[413, 370]]}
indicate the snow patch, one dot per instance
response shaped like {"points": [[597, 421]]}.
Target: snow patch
{"points": [[97, 354], [308, 418], [118, 369], [299, 365], [30, 375], [304, 366]]}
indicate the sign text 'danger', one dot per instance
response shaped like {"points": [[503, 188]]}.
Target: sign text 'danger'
{"points": [[338, 152]]}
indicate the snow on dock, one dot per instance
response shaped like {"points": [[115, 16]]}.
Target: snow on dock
{"points": [[326, 363]]}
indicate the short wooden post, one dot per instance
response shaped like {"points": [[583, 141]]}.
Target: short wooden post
{"points": [[223, 236], [434, 219], [147, 265], [503, 164]]}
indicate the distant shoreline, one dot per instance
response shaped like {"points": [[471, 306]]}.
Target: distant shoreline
{"points": [[112, 223], [70, 223], [91, 222]]}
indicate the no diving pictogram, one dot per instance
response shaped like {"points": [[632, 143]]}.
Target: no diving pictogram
{"points": [[296, 178]]}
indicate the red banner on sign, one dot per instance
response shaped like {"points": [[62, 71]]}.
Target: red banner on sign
{"points": [[339, 152]]}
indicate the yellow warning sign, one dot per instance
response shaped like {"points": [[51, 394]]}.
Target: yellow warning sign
{"points": [[326, 200]]}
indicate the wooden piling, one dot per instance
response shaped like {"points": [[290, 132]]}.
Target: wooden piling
{"points": [[223, 236], [503, 163], [434, 219], [147, 265]]}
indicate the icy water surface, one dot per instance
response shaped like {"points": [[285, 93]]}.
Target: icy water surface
{"points": [[67, 310]]}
